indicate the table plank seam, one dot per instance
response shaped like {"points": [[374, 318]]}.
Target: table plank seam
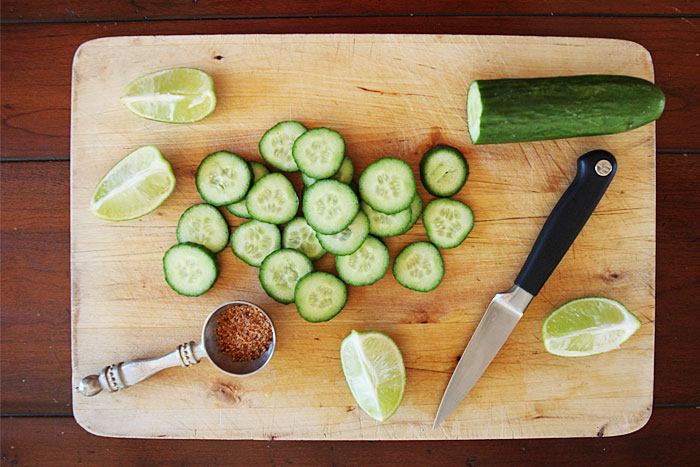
{"points": [[326, 16]]}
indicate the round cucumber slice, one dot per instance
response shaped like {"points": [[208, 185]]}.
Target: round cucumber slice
{"points": [[276, 144], [319, 152], [443, 170], [190, 269], [252, 241], [387, 225], [281, 271], [223, 178], [349, 240], [419, 267], [272, 199], [204, 225], [344, 174], [330, 206], [320, 296], [388, 185], [300, 236], [238, 209], [447, 222], [366, 266]]}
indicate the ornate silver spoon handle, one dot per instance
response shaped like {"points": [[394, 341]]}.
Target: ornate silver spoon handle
{"points": [[122, 375]]}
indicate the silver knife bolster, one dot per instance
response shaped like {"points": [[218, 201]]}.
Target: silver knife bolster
{"points": [[515, 298]]}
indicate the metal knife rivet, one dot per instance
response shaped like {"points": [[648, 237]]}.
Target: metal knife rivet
{"points": [[603, 167]]}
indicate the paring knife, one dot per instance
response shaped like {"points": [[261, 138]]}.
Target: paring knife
{"points": [[595, 172]]}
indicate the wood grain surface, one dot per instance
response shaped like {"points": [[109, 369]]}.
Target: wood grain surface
{"points": [[388, 95], [34, 225]]}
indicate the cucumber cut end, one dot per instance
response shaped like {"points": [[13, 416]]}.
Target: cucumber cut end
{"points": [[474, 108]]}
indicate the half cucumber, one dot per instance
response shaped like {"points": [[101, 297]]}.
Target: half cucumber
{"points": [[534, 109]]}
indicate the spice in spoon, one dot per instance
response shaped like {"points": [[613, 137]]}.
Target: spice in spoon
{"points": [[243, 333]]}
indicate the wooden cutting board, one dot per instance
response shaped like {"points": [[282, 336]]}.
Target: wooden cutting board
{"points": [[389, 95]]}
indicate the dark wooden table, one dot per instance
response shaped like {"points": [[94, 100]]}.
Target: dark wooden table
{"points": [[39, 39]]}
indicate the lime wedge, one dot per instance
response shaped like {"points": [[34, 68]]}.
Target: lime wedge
{"points": [[588, 326], [176, 95], [135, 186], [374, 371]]}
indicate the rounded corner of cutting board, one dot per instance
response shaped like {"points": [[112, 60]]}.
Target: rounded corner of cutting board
{"points": [[634, 425], [86, 422]]}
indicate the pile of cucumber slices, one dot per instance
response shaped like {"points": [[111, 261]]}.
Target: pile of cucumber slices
{"points": [[338, 217]]}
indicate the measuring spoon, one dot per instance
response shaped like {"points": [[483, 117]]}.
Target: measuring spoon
{"points": [[112, 378]]}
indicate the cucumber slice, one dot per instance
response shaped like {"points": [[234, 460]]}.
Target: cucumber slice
{"points": [[349, 240], [190, 269], [319, 152], [419, 267], [281, 271], [416, 210], [330, 206], [366, 266], [276, 144], [238, 209], [252, 241], [443, 170], [300, 236], [272, 199], [388, 185], [223, 178], [534, 109], [204, 225], [447, 222], [344, 174], [387, 225], [320, 296]]}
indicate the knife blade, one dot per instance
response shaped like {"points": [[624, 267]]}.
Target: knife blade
{"points": [[595, 171]]}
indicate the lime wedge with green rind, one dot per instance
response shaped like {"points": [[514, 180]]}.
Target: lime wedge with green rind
{"points": [[374, 370], [175, 95], [588, 326], [135, 186]]}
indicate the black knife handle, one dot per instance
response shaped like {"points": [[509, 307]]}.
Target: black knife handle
{"points": [[567, 219]]}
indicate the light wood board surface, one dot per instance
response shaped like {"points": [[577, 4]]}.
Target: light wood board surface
{"points": [[389, 95]]}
